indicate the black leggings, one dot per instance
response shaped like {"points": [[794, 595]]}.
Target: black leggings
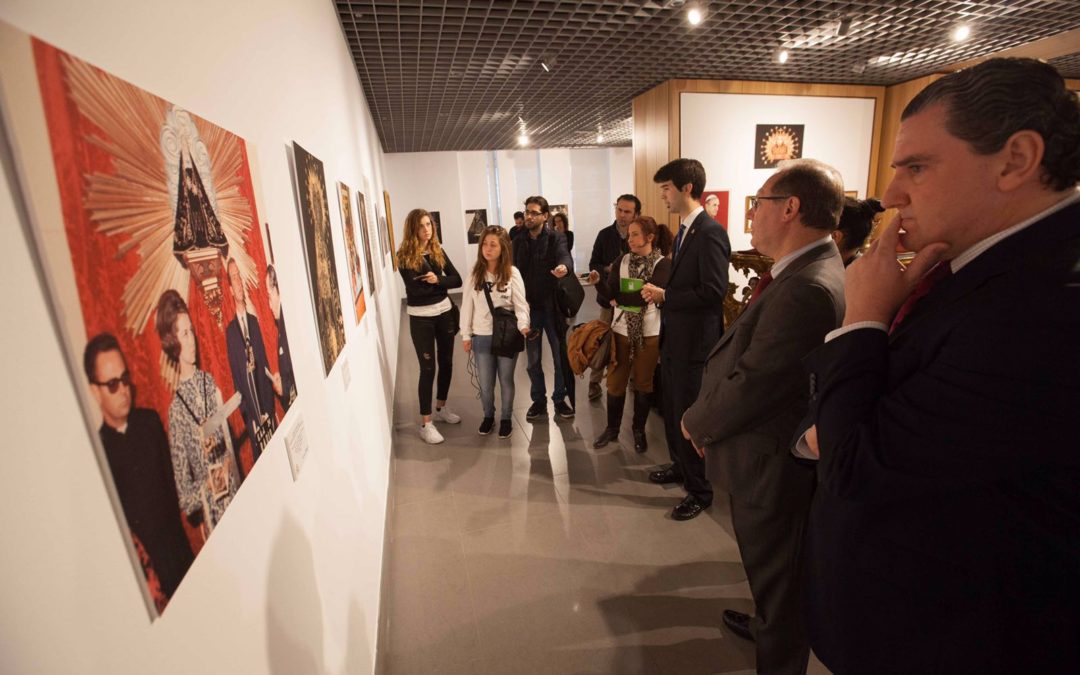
{"points": [[433, 335]]}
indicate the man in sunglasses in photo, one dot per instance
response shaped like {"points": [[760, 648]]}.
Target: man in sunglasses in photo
{"points": [[138, 453]]}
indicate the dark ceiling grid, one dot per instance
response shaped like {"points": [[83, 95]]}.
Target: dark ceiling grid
{"points": [[456, 74]]}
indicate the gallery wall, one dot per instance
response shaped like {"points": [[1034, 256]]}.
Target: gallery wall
{"points": [[587, 180], [289, 580], [719, 130]]}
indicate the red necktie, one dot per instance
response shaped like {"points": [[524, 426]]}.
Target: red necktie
{"points": [[760, 287], [922, 289]]}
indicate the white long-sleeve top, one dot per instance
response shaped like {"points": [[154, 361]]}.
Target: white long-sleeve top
{"points": [[475, 315]]}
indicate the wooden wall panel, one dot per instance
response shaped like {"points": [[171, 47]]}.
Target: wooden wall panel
{"points": [[651, 146]]}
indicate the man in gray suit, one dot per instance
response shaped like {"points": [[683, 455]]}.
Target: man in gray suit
{"points": [[753, 395]]}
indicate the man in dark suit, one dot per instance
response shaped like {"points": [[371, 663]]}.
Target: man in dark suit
{"points": [[137, 450], [945, 533], [250, 369], [691, 322], [753, 395]]}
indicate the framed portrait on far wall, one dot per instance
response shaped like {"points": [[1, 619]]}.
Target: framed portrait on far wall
{"points": [[716, 205], [748, 225], [477, 221], [390, 229], [436, 219], [773, 143]]}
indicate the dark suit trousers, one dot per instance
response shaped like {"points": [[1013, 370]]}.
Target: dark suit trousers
{"points": [[771, 545], [682, 381]]}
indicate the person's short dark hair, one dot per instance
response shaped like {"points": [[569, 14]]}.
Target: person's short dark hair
{"points": [[519, 215], [818, 187], [99, 344], [631, 198], [682, 172], [989, 102], [857, 221], [170, 306], [565, 219], [538, 201], [271, 278]]}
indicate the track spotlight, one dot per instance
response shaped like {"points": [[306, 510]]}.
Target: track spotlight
{"points": [[693, 15], [961, 33]]}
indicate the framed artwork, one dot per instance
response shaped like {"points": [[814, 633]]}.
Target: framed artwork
{"points": [[365, 236], [146, 229], [748, 225], [389, 226], [776, 142], [319, 254], [477, 221], [356, 272], [436, 219], [854, 194], [716, 205]]}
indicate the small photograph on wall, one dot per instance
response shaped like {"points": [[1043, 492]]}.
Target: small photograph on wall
{"points": [[356, 273], [854, 194], [365, 236], [319, 254], [774, 143], [477, 221], [749, 225], [437, 220], [389, 223], [147, 233], [716, 205], [559, 208]]}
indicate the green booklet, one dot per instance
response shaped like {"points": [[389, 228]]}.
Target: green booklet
{"points": [[630, 285]]}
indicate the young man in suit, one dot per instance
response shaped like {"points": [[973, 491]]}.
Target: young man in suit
{"points": [[691, 311], [944, 535], [753, 395]]}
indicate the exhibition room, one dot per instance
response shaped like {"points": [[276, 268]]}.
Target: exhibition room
{"points": [[266, 262]]}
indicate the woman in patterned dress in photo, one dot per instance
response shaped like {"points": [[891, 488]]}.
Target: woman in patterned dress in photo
{"points": [[206, 475]]}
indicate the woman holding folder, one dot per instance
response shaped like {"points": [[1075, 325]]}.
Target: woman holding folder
{"points": [[635, 325]]}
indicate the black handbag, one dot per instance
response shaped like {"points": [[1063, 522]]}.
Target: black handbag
{"points": [[506, 339], [455, 317], [569, 295]]}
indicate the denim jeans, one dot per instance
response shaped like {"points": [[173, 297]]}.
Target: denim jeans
{"points": [[546, 321], [487, 364]]}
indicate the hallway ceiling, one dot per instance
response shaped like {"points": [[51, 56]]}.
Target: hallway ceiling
{"points": [[458, 75]]}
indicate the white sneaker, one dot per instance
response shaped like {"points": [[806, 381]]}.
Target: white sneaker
{"points": [[430, 434], [445, 415]]}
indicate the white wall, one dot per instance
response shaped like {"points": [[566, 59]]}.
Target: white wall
{"points": [[289, 582], [718, 130], [587, 180]]}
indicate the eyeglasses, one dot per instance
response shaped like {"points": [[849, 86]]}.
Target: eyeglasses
{"points": [[534, 214], [114, 384], [754, 200]]}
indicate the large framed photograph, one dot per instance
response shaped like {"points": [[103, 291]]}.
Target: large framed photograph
{"points": [[144, 220], [319, 253], [716, 205], [356, 273], [389, 225], [366, 237]]}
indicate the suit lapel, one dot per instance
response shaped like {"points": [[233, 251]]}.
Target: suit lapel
{"points": [[1023, 248], [796, 266], [687, 238]]}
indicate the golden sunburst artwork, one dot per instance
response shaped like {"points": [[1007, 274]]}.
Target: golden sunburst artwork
{"points": [[777, 142]]}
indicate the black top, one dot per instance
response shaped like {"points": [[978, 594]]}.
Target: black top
{"points": [[420, 293], [609, 285], [608, 246], [536, 258], [142, 471]]}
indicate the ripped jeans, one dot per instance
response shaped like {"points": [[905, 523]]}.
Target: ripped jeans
{"points": [[434, 343]]}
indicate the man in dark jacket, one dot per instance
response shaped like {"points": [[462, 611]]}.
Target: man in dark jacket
{"points": [[691, 322], [610, 244], [542, 257]]}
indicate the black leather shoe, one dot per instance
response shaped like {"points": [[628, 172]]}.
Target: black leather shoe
{"points": [[606, 437], [640, 444], [537, 409], [739, 624], [668, 475], [688, 508]]}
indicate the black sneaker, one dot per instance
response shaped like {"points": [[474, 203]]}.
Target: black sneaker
{"points": [[564, 411], [505, 429], [486, 426], [536, 410]]}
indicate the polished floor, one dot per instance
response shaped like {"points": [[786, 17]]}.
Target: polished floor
{"points": [[538, 554]]}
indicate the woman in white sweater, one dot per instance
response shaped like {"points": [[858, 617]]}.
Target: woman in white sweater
{"points": [[493, 271]]}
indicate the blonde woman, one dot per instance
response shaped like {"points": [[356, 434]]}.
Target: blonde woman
{"points": [[495, 275], [428, 273]]}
